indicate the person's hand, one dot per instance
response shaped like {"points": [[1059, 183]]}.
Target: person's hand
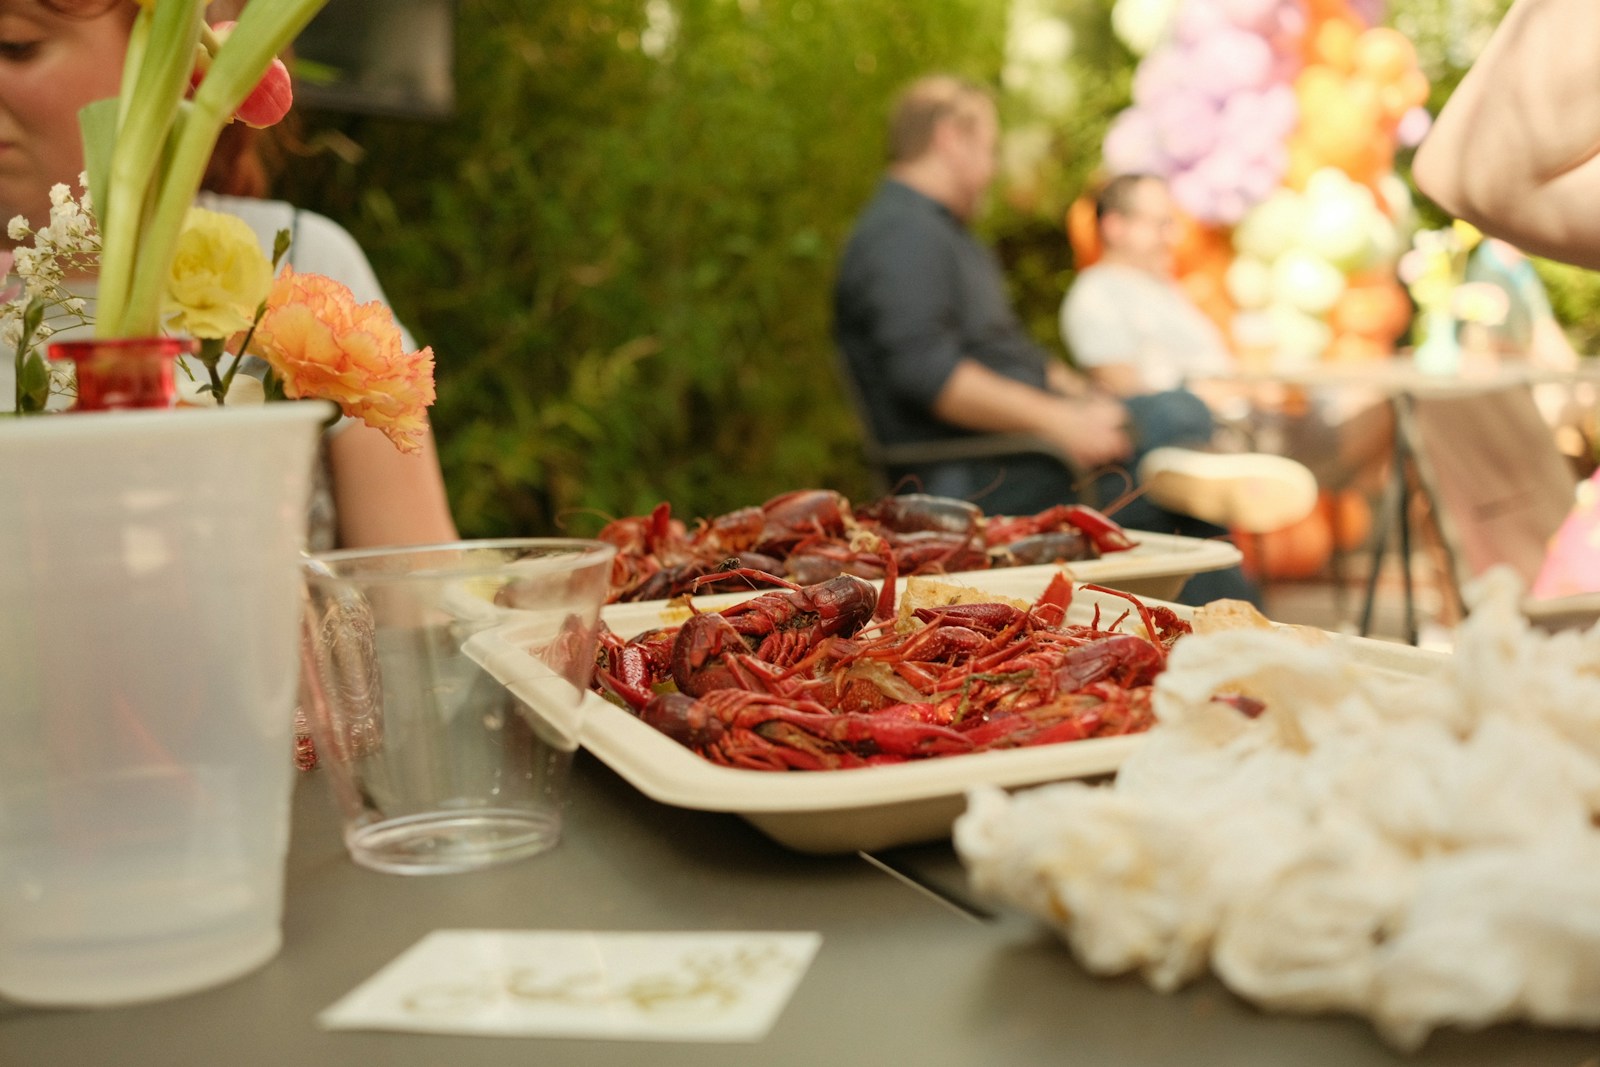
{"points": [[1093, 430]]}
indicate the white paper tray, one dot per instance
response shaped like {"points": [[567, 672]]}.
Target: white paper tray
{"points": [[1155, 569], [868, 808]]}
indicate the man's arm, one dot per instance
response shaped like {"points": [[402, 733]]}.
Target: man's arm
{"points": [[1516, 149], [1092, 430]]}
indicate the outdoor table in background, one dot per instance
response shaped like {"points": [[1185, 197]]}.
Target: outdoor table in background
{"points": [[1351, 388], [903, 975]]}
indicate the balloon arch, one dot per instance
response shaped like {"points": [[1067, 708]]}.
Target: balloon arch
{"points": [[1276, 123]]}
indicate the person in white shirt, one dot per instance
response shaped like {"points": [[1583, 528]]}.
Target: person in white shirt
{"points": [[1129, 325]]}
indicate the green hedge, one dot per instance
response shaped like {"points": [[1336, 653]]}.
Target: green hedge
{"points": [[624, 262]]}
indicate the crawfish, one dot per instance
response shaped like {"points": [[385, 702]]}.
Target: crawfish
{"points": [[760, 731], [1062, 529], [779, 627]]}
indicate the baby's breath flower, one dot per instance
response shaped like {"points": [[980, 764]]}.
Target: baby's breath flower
{"points": [[17, 228]]}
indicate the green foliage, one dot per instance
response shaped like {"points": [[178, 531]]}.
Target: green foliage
{"points": [[623, 254], [624, 262]]}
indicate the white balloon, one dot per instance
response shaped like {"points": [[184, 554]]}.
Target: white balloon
{"points": [[1249, 282], [1272, 227], [1338, 228], [1306, 282], [1299, 338], [1143, 24]]}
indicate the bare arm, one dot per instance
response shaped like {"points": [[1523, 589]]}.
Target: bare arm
{"points": [[1091, 430], [385, 497], [1516, 150], [1123, 379]]}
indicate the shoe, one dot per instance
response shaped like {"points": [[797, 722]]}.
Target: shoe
{"points": [[1247, 491]]}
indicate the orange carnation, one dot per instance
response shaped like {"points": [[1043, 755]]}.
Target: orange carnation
{"points": [[321, 343]]}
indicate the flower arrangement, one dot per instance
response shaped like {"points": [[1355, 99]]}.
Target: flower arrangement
{"points": [[164, 264]]}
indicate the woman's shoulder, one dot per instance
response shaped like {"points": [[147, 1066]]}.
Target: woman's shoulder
{"points": [[319, 245]]}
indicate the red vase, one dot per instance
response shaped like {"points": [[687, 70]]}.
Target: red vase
{"points": [[119, 373]]}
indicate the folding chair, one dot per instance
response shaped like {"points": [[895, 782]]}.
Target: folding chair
{"points": [[884, 460], [1495, 483]]}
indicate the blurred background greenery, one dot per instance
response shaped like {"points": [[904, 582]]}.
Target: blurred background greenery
{"points": [[622, 244]]}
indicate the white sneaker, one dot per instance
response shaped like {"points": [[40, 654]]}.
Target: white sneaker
{"points": [[1248, 491]]}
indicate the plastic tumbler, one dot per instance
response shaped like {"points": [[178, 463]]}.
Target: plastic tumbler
{"points": [[444, 692]]}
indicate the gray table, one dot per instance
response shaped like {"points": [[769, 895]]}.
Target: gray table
{"points": [[903, 977]]}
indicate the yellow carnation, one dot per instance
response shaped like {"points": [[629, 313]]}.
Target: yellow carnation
{"points": [[321, 343], [219, 277]]}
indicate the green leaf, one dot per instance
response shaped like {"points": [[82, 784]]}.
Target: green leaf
{"points": [[33, 383], [98, 121], [280, 248]]}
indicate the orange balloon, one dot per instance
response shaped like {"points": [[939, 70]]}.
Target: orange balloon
{"points": [[1332, 43], [1298, 551], [1329, 9], [1303, 162], [1356, 348], [1376, 309], [1349, 517], [1384, 55], [1317, 87], [1199, 246], [1083, 232]]}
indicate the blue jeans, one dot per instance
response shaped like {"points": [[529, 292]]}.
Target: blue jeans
{"points": [[1024, 484]]}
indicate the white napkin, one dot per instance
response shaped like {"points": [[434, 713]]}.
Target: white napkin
{"points": [[721, 986]]}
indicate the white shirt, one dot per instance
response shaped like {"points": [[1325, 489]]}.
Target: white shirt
{"points": [[1116, 314]]}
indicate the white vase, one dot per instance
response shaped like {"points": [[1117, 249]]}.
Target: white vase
{"points": [[148, 608]]}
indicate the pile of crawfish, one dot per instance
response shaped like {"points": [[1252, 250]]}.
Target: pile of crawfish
{"points": [[822, 676], [811, 535]]}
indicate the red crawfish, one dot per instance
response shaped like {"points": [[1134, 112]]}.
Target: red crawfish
{"points": [[1062, 533], [760, 731], [779, 627]]}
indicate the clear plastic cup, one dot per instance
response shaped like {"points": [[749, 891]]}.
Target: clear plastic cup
{"points": [[444, 694]]}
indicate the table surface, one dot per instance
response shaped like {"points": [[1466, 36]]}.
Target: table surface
{"points": [[903, 976], [1400, 375]]}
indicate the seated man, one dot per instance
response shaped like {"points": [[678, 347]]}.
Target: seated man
{"points": [[929, 335]]}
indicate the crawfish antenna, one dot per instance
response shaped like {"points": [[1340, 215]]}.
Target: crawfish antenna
{"points": [[891, 571]]}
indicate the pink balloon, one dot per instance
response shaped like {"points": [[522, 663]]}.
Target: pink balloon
{"points": [[1250, 14], [1414, 126], [1132, 145], [1369, 11], [1279, 110], [1159, 74], [1198, 19], [1229, 206], [1260, 178], [1193, 195], [1230, 60], [1187, 127]]}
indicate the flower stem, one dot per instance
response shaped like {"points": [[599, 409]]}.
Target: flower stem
{"points": [[151, 105], [262, 32]]}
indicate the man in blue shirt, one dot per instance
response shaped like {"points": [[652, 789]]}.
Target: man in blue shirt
{"points": [[928, 332]]}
